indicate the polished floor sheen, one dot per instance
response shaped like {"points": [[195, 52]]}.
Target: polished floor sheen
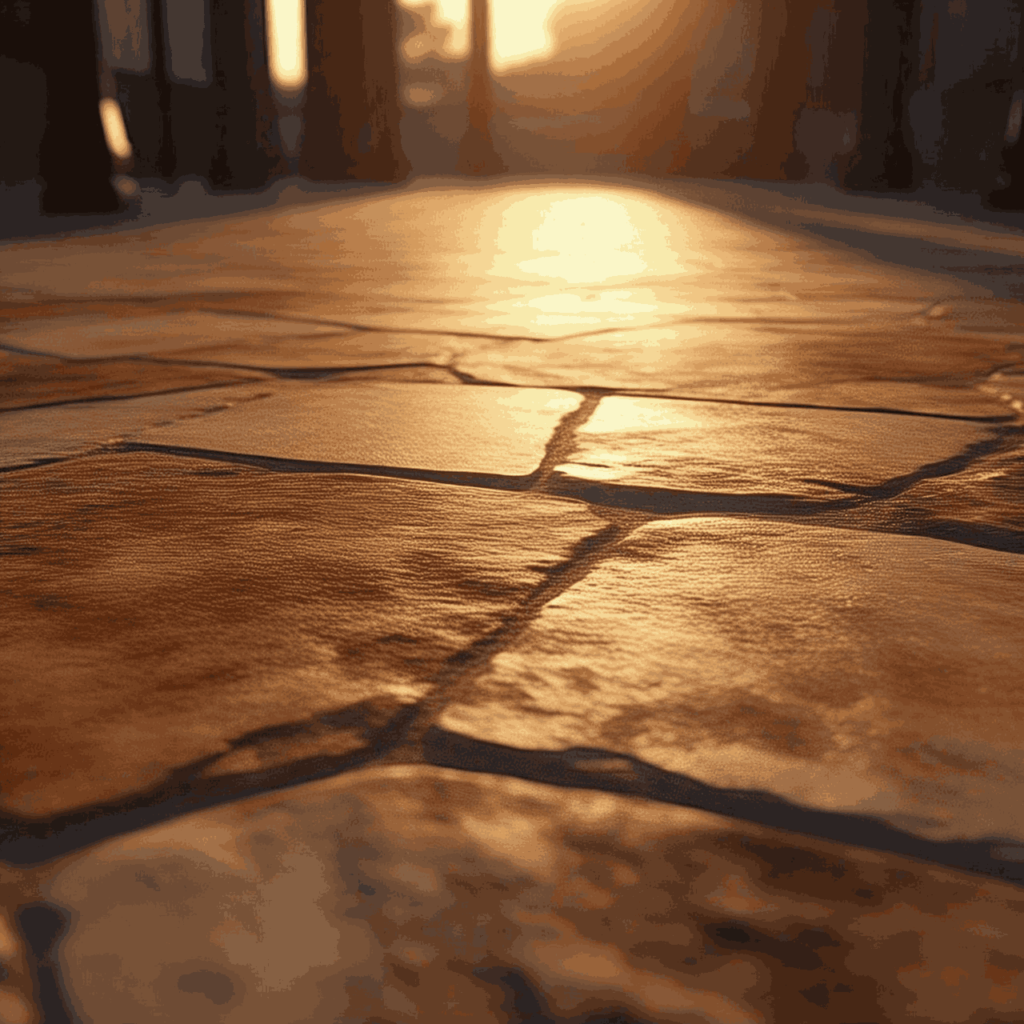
{"points": [[541, 600]]}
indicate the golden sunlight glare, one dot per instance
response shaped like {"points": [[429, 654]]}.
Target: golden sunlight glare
{"points": [[286, 44], [519, 28], [519, 32], [114, 131]]}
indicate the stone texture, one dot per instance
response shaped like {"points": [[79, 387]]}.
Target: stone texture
{"points": [[29, 380], [54, 432], [205, 332], [400, 893], [747, 360], [379, 423], [747, 449], [839, 669], [158, 609], [421, 426]]}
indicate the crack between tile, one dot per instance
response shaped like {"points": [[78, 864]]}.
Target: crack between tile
{"points": [[92, 399], [464, 377], [286, 372], [462, 668], [33, 842], [630, 505]]}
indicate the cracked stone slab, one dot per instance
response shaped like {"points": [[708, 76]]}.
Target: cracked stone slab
{"points": [[842, 670], [746, 360], [129, 329], [30, 380], [988, 492], [517, 258], [374, 423], [393, 892], [903, 396], [421, 426], [748, 449], [161, 610], [33, 435]]}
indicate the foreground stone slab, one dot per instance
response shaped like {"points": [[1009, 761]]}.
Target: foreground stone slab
{"points": [[160, 610], [397, 894], [748, 449], [842, 670]]}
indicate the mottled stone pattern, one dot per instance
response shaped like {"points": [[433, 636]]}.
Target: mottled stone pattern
{"points": [[415, 893], [525, 601]]}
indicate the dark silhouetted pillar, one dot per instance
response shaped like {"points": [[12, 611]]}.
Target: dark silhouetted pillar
{"points": [[74, 161], [351, 111], [783, 68], [165, 162], [246, 153], [476, 152], [885, 157]]}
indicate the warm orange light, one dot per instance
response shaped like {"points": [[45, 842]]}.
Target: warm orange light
{"points": [[114, 130], [519, 29], [519, 32], [286, 44]]}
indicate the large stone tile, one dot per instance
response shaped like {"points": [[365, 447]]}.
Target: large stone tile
{"points": [[902, 396], [158, 610], [420, 426], [861, 672], [30, 380], [35, 435], [412, 425], [747, 360], [128, 329], [411, 894], [750, 449], [990, 492], [535, 258]]}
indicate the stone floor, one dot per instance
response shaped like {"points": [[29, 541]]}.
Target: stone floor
{"points": [[541, 600]]}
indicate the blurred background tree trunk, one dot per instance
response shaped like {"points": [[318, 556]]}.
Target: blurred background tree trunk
{"points": [[885, 156], [351, 111], [476, 152], [74, 161], [247, 153]]}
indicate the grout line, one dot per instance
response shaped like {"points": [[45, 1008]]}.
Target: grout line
{"points": [[123, 398], [463, 667]]}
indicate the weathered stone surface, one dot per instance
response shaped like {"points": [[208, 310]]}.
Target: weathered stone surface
{"points": [[209, 334], [856, 671], [16, 995], [533, 258], [749, 449], [398, 893], [420, 426], [901, 396], [33, 435], [746, 360], [990, 492], [29, 380], [159, 609]]}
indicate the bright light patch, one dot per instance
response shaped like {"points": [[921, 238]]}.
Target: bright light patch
{"points": [[519, 32], [519, 29], [450, 14], [286, 44], [114, 130], [422, 95], [587, 239]]}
